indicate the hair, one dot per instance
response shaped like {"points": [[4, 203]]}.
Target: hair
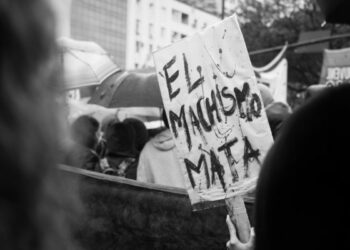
{"points": [[107, 121], [84, 130], [32, 207], [277, 113], [141, 133], [303, 186], [314, 90], [120, 140]]}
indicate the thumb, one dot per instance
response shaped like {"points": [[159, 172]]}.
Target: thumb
{"points": [[232, 230], [252, 233], [234, 243], [251, 241]]}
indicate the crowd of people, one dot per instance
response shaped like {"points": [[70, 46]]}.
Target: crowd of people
{"points": [[125, 149], [301, 197]]}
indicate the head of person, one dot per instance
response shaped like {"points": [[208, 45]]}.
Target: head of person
{"points": [[84, 131], [314, 90], [302, 190], [120, 140], [141, 133], [106, 121], [277, 113], [31, 201]]}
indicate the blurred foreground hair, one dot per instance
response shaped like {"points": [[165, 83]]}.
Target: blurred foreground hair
{"points": [[302, 192], [31, 203]]}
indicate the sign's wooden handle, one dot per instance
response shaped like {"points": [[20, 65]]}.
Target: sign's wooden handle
{"points": [[239, 217]]}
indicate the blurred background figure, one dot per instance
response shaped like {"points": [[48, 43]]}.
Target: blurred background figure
{"points": [[121, 153], [277, 113], [315, 90], [141, 133], [33, 205], [105, 123], [158, 162], [82, 153], [305, 177]]}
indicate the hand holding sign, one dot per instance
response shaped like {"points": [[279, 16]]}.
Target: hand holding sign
{"points": [[234, 243]]}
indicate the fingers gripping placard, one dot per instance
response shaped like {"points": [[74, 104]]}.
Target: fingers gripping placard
{"points": [[215, 111]]}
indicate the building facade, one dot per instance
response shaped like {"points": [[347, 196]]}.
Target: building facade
{"points": [[153, 24], [130, 30], [103, 22]]}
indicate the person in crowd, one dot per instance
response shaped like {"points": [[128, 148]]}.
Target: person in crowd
{"points": [[158, 161], [105, 123], [277, 113], [82, 154], [302, 191], [141, 132], [121, 153], [33, 204], [315, 90]]}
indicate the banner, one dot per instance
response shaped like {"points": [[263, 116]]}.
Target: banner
{"points": [[215, 112], [275, 76], [276, 80], [336, 67]]}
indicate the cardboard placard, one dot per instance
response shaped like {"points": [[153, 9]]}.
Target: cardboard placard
{"points": [[215, 112]]}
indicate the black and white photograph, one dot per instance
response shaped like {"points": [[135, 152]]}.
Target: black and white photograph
{"points": [[174, 124]]}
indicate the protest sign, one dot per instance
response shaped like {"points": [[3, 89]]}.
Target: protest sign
{"points": [[215, 112], [336, 67]]}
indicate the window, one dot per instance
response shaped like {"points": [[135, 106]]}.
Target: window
{"points": [[139, 46], [174, 36], [136, 65], [150, 48], [162, 32], [164, 12], [151, 11], [176, 15], [179, 17], [183, 36], [194, 24], [150, 30], [137, 28], [204, 26], [138, 7], [184, 18]]}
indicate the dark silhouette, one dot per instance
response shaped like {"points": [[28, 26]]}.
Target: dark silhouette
{"points": [[301, 200], [302, 188], [83, 153], [277, 114], [141, 133], [121, 153], [32, 204]]}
